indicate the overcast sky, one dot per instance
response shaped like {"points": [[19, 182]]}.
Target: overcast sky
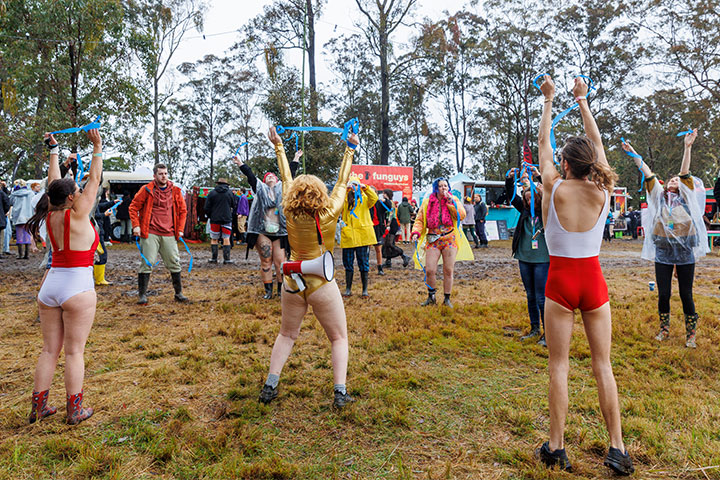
{"points": [[338, 17]]}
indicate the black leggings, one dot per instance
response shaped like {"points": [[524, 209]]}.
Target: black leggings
{"points": [[663, 277]]}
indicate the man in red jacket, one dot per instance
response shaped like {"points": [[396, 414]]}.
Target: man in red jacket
{"points": [[158, 214]]}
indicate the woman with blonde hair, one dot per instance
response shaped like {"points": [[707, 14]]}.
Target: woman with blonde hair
{"points": [[574, 210], [675, 237], [311, 219]]}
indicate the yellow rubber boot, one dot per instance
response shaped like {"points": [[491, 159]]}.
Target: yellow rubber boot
{"points": [[99, 273]]}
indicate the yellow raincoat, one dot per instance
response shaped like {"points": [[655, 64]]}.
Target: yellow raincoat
{"points": [[464, 250], [359, 232]]}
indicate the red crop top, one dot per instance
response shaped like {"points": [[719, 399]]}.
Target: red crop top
{"points": [[67, 258]]}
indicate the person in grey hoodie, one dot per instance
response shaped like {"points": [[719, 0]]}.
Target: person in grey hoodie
{"points": [[468, 222], [21, 201], [404, 218]]}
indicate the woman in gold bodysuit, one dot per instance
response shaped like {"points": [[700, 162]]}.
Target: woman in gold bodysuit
{"points": [[311, 216]]}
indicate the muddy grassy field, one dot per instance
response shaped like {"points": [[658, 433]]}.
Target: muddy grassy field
{"points": [[440, 393]]}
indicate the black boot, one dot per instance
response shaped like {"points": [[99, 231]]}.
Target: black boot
{"points": [[279, 289], [143, 281], [348, 283], [214, 250], [364, 276], [20, 250], [388, 263], [226, 255], [380, 270], [446, 301], [406, 260], [268, 291], [431, 298], [27, 250], [177, 285]]}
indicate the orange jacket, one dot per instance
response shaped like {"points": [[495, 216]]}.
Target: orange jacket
{"points": [[141, 209]]}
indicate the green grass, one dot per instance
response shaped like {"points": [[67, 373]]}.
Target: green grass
{"points": [[441, 394]]}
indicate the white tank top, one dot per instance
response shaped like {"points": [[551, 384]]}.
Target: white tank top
{"points": [[561, 243]]}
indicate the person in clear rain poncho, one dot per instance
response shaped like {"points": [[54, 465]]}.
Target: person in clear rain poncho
{"points": [[675, 236]]}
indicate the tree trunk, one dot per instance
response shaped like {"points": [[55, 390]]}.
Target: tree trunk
{"points": [[385, 96], [156, 121], [74, 69], [38, 150], [310, 47]]}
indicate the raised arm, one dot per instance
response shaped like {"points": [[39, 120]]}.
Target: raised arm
{"points": [[689, 140], [371, 196], [510, 188], [295, 164], [337, 197], [54, 168], [545, 152], [642, 166], [86, 203], [283, 166], [580, 91], [247, 171]]}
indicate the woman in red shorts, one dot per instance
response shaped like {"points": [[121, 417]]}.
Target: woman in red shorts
{"points": [[436, 227], [574, 210]]}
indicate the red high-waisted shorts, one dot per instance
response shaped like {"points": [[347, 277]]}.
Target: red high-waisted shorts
{"points": [[576, 283]]}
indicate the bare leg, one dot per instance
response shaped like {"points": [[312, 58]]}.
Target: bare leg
{"points": [[293, 310], [78, 315], [264, 248], [329, 309], [378, 254], [432, 255], [448, 256], [226, 241], [598, 327], [278, 257], [558, 331], [52, 331]]}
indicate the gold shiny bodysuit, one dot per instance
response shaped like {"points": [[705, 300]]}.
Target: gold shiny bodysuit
{"points": [[302, 229]]}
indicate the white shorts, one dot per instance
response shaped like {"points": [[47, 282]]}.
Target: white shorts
{"points": [[61, 284]]}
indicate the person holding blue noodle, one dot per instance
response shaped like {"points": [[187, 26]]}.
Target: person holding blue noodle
{"points": [[674, 237], [574, 208], [311, 216], [67, 299]]}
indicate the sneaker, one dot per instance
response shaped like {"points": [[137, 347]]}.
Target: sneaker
{"points": [[447, 303], [551, 459], [542, 341], [619, 462], [532, 334], [342, 399], [268, 394]]}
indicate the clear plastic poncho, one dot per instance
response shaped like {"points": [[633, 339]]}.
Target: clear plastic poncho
{"points": [[675, 232]]}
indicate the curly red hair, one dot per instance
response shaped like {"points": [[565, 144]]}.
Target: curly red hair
{"points": [[307, 194]]}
